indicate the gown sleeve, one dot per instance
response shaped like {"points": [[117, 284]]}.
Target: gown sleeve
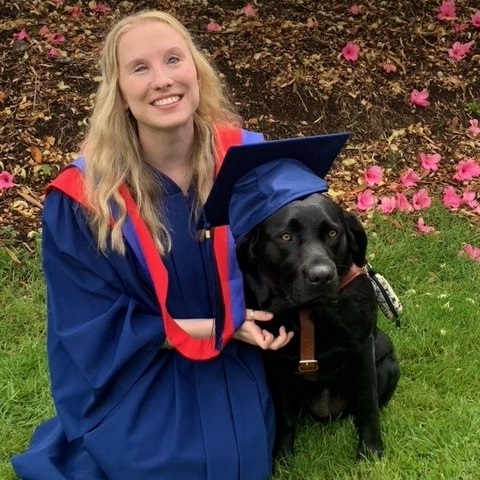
{"points": [[104, 326]]}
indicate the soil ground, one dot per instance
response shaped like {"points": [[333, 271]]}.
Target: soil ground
{"points": [[283, 68]]}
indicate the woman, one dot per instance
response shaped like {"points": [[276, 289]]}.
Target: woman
{"points": [[154, 360]]}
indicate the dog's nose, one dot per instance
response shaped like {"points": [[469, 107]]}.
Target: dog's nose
{"points": [[319, 274]]}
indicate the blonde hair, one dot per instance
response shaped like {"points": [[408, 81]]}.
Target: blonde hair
{"points": [[112, 151]]}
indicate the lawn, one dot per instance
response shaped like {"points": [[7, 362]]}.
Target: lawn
{"points": [[431, 427]]}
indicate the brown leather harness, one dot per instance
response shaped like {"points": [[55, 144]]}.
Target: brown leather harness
{"points": [[308, 366]]}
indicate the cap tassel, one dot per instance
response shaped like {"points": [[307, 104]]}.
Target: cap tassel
{"points": [[214, 289]]}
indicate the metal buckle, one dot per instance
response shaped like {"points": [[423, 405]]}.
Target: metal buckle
{"points": [[307, 366]]}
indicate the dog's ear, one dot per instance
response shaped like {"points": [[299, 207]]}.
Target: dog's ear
{"points": [[358, 239], [257, 292], [244, 251]]}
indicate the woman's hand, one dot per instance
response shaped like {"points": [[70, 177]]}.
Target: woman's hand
{"points": [[251, 333]]}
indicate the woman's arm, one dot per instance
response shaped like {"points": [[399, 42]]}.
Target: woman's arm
{"points": [[104, 326], [249, 332]]}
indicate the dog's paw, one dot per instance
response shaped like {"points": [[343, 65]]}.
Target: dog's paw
{"points": [[373, 451]]}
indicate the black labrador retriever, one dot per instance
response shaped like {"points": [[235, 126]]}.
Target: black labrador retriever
{"points": [[304, 261]]}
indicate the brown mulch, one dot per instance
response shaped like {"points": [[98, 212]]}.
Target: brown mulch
{"points": [[283, 68]]}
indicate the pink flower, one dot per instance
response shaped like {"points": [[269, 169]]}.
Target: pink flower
{"points": [[474, 129], [356, 9], [459, 50], [409, 178], [21, 35], [469, 199], [53, 52], [430, 162], [421, 200], [450, 198], [102, 8], [459, 27], [6, 180], [75, 11], [373, 176], [466, 170], [387, 205], [55, 38], [473, 253], [422, 228], [389, 67], [476, 19], [214, 27], [403, 204], [366, 200], [447, 10], [249, 10], [350, 52], [420, 99]]}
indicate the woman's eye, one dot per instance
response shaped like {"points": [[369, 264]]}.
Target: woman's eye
{"points": [[173, 60], [286, 237], [140, 68], [332, 233]]}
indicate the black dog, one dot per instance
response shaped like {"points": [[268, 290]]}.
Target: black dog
{"points": [[304, 260]]}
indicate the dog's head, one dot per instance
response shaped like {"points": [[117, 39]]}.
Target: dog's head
{"points": [[298, 255]]}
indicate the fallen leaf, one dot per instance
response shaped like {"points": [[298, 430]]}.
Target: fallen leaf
{"points": [[454, 123], [50, 141], [36, 154]]}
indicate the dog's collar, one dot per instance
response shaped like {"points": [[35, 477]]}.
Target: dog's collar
{"points": [[308, 365], [353, 272]]}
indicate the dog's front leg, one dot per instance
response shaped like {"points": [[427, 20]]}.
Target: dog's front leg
{"points": [[367, 414]]}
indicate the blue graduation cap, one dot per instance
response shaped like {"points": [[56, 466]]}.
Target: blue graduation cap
{"points": [[255, 180]]}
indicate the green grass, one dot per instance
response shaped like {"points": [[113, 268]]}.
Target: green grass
{"points": [[431, 428], [24, 394]]}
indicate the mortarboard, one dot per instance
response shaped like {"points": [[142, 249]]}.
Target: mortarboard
{"points": [[255, 180]]}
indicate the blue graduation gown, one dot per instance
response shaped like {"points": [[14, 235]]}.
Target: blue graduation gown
{"points": [[127, 409]]}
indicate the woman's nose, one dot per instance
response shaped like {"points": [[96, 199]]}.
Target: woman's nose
{"points": [[161, 78]]}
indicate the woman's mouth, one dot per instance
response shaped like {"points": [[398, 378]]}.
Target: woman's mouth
{"points": [[162, 102]]}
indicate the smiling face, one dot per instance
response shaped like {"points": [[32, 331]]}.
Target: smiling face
{"points": [[158, 80]]}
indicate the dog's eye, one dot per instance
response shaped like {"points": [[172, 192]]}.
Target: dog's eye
{"points": [[332, 233], [286, 237]]}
